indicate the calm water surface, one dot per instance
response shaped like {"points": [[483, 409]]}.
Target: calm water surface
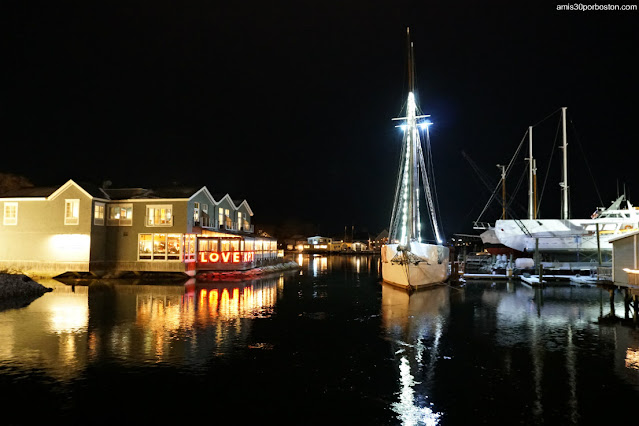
{"points": [[327, 344]]}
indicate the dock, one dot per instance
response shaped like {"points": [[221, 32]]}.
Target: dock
{"points": [[486, 276]]}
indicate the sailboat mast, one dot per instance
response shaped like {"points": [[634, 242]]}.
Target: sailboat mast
{"points": [[564, 184], [531, 170]]}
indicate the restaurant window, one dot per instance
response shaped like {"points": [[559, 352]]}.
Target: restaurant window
{"points": [[174, 244], [145, 244], [249, 245], [98, 214], [71, 212], [258, 245], [159, 246], [120, 215], [159, 215], [226, 245], [235, 245], [10, 214], [188, 251]]}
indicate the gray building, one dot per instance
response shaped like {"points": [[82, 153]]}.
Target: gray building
{"points": [[625, 264], [83, 228]]}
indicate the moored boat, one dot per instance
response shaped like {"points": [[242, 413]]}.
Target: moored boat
{"points": [[407, 261]]}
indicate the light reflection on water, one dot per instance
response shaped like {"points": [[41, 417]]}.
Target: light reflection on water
{"points": [[329, 337], [414, 323]]}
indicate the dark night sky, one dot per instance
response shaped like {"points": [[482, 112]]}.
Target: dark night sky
{"points": [[288, 104]]}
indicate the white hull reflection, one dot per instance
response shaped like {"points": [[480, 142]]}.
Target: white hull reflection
{"points": [[414, 323]]}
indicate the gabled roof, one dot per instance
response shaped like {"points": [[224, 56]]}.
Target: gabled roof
{"points": [[206, 192], [66, 186], [51, 192], [32, 192]]}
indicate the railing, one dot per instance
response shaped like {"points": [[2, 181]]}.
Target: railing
{"points": [[482, 225], [604, 273]]}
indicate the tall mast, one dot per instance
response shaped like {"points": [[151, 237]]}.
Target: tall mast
{"points": [[564, 183], [531, 169], [405, 224]]}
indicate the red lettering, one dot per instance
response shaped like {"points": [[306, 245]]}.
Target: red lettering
{"points": [[226, 256], [203, 257], [236, 257], [214, 257]]}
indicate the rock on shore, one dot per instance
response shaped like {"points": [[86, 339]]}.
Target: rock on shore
{"points": [[20, 286]]}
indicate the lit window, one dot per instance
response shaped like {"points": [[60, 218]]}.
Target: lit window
{"points": [[220, 218], [159, 215], [71, 212], [98, 214], [10, 214], [196, 212], [145, 246], [120, 215], [159, 246]]}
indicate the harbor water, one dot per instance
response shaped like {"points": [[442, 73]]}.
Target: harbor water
{"points": [[327, 344]]}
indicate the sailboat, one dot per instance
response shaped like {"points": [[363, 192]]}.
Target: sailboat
{"points": [[565, 235], [407, 261]]}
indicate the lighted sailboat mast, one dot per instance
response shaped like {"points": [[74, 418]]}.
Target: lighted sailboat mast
{"points": [[406, 219]]}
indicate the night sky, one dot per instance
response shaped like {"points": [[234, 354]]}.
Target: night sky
{"points": [[289, 104]]}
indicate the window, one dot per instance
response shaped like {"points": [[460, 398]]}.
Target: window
{"points": [[98, 214], [239, 220], [173, 242], [159, 246], [71, 212], [196, 212], [145, 244], [220, 218], [10, 214], [120, 215], [205, 208], [159, 215], [227, 217]]}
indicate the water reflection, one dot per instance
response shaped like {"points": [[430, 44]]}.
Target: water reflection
{"points": [[75, 326], [415, 323], [320, 264]]}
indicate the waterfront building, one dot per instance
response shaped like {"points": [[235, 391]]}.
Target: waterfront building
{"points": [[625, 263], [88, 229]]}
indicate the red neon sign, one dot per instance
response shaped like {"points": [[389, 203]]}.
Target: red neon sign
{"points": [[226, 257]]}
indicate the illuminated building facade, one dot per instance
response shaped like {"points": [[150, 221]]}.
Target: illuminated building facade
{"points": [[81, 228]]}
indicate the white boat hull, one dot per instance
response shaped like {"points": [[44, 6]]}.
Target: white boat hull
{"points": [[434, 269], [556, 235]]}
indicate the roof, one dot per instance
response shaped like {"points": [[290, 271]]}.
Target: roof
{"points": [[35, 191], [114, 194], [621, 237], [48, 191]]}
